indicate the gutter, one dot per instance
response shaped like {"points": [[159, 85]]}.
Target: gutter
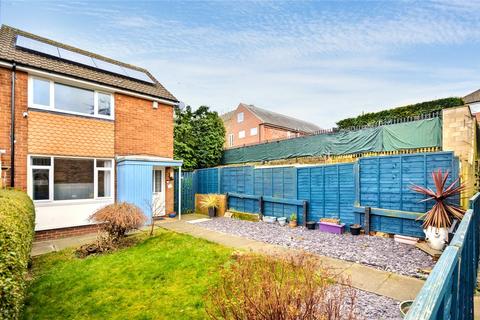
{"points": [[90, 83], [12, 128]]}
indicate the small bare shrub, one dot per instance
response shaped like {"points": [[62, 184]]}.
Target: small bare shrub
{"points": [[286, 288], [118, 218]]}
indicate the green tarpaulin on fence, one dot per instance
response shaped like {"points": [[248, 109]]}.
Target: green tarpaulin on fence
{"points": [[408, 135]]}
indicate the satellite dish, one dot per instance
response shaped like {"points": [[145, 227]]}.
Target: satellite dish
{"points": [[181, 105]]}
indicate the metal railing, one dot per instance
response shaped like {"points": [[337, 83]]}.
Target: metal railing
{"points": [[449, 290]]}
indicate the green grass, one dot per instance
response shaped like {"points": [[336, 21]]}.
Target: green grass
{"points": [[163, 277]]}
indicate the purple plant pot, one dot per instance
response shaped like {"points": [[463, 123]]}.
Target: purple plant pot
{"points": [[331, 227]]}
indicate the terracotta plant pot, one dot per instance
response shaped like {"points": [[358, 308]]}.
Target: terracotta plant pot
{"points": [[292, 224]]}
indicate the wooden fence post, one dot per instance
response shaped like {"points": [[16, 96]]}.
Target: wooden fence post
{"points": [[368, 210], [304, 213], [260, 206]]}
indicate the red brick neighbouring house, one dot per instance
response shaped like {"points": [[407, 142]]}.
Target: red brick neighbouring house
{"points": [[248, 124], [87, 131]]}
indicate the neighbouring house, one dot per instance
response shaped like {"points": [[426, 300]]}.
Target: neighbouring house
{"points": [[248, 124], [81, 131], [473, 99]]}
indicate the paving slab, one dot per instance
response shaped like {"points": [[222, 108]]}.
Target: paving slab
{"points": [[362, 277], [47, 246]]}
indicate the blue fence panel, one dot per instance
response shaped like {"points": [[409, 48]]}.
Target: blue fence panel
{"points": [[188, 191], [449, 290], [329, 190], [207, 181], [384, 182]]}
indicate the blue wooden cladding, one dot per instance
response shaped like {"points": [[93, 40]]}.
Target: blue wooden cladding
{"points": [[134, 184], [450, 287], [338, 190]]}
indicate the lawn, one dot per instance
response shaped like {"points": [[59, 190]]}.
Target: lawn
{"points": [[163, 277]]}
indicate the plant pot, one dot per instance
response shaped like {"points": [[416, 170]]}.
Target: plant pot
{"points": [[331, 227], [292, 223], [269, 219], [404, 307], [172, 215], [311, 225], [436, 238], [355, 229], [212, 212], [282, 221]]}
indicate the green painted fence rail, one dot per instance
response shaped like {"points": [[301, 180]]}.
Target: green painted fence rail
{"points": [[449, 290]]}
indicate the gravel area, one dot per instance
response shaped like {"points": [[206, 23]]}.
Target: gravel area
{"points": [[374, 307], [380, 253]]}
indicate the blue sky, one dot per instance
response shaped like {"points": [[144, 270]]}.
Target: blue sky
{"points": [[318, 61]]}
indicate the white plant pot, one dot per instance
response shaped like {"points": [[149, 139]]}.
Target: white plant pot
{"points": [[436, 238], [282, 221]]}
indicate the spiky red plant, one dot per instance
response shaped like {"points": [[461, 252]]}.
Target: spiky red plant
{"points": [[442, 212]]}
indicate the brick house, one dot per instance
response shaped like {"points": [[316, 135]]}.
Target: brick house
{"points": [[80, 131], [248, 124]]}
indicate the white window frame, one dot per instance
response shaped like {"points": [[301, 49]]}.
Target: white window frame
{"points": [[51, 186], [240, 117], [51, 107], [241, 134], [230, 140], [253, 131]]}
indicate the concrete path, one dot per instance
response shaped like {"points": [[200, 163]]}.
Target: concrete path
{"points": [[383, 283], [46, 246]]}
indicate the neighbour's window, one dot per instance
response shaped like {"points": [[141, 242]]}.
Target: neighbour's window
{"points": [[253, 131], [241, 134], [70, 178], [240, 117], [41, 92], [230, 140], [74, 99], [70, 99]]}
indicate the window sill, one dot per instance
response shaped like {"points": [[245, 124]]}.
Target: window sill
{"points": [[50, 203]]}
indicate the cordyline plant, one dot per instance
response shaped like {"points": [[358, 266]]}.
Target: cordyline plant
{"points": [[442, 212]]}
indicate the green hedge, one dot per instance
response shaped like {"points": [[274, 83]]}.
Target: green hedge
{"points": [[400, 112], [17, 220]]}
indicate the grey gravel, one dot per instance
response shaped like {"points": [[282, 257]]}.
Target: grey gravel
{"points": [[380, 253], [372, 306]]}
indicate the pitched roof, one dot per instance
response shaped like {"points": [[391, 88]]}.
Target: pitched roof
{"points": [[227, 116], [472, 97], [9, 53], [281, 120]]}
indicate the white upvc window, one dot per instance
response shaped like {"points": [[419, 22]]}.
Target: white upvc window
{"points": [[241, 134], [240, 117], [253, 131], [230, 140], [50, 95], [62, 179]]}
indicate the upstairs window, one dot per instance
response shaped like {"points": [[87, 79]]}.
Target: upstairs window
{"points": [[240, 117], [50, 95]]}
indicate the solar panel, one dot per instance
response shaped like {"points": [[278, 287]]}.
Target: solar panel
{"points": [[38, 46], [45, 48], [139, 75], [76, 57]]}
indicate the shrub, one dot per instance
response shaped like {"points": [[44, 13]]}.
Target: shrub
{"points": [[210, 201], [412, 110], [17, 221], [260, 287], [118, 218]]}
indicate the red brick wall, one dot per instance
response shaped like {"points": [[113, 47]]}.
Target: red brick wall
{"points": [[65, 232], [265, 132], [233, 127], [21, 128], [142, 130]]}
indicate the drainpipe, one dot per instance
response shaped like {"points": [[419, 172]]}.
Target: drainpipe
{"points": [[12, 129]]}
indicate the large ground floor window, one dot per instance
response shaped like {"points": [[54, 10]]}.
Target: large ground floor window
{"points": [[60, 178]]}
